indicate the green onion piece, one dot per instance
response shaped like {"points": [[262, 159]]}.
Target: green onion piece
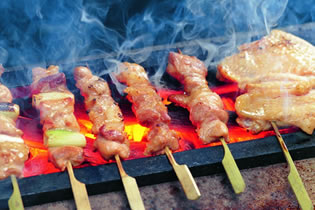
{"points": [[59, 138]]}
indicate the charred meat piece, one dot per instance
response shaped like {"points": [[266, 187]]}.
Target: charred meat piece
{"points": [[148, 108], [256, 111], [279, 52], [13, 151], [56, 105], [277, 75], [205, 107], [105, 114]]}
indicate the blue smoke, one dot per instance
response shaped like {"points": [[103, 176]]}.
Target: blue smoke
{"points": [[48, 32]]}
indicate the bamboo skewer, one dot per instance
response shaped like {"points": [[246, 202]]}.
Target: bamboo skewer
{"points": [[131, 187], [15, 202], [230, 166], [184, 176], [79, 191], [232, 170], [294, 177]]}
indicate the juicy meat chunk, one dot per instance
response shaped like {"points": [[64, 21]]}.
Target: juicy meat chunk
{"points": [[160, 136], [148, 108], [256, 111], [59, 156], [279, 52], [8, 127], [55, 82], [58, 114], [105, 114], [205, 107], [147, 105], [12, 158], [39, 73], [109, 148]]}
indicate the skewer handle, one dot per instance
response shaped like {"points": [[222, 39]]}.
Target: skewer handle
{"points": [[184, 176], [15, 202], [131, 187], [232, 170], [79, 191], [294, 177]]}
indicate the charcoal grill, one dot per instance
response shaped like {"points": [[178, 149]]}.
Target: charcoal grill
{"points": [[151, 170]]}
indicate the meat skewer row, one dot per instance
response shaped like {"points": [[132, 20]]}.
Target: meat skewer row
{"points": [[278, 74], [152, 113], [108, 125], [105, 114], [205, 109], [61, 130], [13, 151]]}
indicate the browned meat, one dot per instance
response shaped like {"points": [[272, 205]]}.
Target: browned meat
{"points": [[146, 103], [8, 127], [278, 84], [205, 106], [61, 155], [256, 111], [57, 113], [105, 114], [279, 52], [40, 73], [278, 74], [110, 148], [148, 108], [12, 158]]}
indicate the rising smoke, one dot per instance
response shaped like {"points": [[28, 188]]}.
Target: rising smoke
{"points": [[44, 32]]}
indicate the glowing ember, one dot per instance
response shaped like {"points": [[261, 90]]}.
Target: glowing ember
{"points": [[135, 132]]}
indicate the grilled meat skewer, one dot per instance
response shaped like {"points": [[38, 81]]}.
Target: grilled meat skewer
{"points": [[13, 151], [105, 114], [205, 107], [148, 108], [56, 105]]}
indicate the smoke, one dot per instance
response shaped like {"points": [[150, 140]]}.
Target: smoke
{"points": [[43, 32]]}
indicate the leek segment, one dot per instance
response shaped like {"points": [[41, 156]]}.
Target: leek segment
{"points": [[10, 110], [59, 138], [38, 98]]}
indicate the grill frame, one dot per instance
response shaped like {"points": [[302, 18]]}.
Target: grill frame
{"points": [[153, 170]]}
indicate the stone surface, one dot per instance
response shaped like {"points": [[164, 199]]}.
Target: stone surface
{"points": [[266, 188]]}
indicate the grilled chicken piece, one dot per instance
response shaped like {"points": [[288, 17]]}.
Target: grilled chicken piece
{"points": [[61, 155], [13, 151], [12, 158], [278, 75], [205, 106], [105, 114], [148, 108], [256, 111], [56, 113], [279, 52]]}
